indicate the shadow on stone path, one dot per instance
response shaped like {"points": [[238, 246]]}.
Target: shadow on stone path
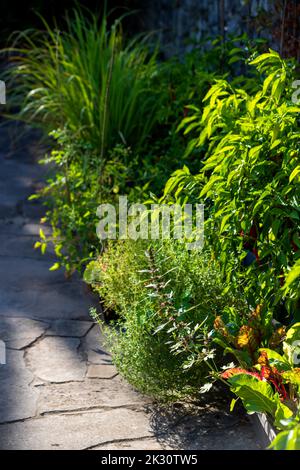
{"points": [[58, 388]]}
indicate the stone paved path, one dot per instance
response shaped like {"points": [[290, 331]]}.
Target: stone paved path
{"points": [[58, 388]]}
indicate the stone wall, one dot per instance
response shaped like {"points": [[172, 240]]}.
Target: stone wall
{"points": [[180, 22]]}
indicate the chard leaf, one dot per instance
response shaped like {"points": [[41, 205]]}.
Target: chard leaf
{"points": [[257, 396]]}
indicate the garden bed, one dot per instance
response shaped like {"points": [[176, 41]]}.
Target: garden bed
{"points": [[218, 130], [264, 429]]}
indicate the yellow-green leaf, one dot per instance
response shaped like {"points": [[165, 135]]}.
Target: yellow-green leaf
{"points": [[54, 267], [294, 173], [42, 235]]}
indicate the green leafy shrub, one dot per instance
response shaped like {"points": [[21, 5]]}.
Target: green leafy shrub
{"points": [[73, 191], [167, 299], [249, 181]]}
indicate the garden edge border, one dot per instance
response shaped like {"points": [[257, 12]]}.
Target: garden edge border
{"points": [[264, 429]]}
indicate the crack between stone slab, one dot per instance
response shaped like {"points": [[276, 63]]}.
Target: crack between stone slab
{"points": [[116, 441], [127, 406], [37, 341], [42, 336], [15, 421], [63, 336], [103, 378], [26, 361], [83, 350], [48, 382], [33, 343], [90, 328], [80, 337], [82, 355], [69, 413]]}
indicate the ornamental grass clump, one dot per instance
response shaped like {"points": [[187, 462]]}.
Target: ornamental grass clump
{"points": [[87, 78]]}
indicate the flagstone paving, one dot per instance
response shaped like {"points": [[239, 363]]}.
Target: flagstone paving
{"points": [[59, 388]]}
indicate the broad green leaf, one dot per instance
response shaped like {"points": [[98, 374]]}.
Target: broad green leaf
{"points": [[276, 359], [254, 152], [287, 440], [209, 184], [223, 223], [257, 396], [232, 404], [170, 185], [220, 342], [264, 57], [283, 412], [251, 105], [293, 376], [214, 89], [292, 275], [268, 81], [294, 173]]}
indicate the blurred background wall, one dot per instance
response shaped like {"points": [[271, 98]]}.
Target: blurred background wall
{"points": [[181, 23], [177, 23]]}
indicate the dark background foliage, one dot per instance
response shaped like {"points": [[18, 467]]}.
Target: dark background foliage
{"points": [[16, 15]]}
